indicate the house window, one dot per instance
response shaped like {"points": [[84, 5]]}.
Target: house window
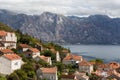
{"points": [[11, 35], [16, 63]]}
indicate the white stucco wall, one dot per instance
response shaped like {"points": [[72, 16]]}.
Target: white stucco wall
{"points": [[35, 54], [25, 49], [48, 76], [11, 37], [7, 66], [13, 45], [16, 64], [87, 69]]}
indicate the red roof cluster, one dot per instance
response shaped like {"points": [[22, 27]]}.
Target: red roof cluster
{"points": [[114, 65], [72, 57]]}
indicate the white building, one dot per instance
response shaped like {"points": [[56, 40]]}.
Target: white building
{"points": [[9, 63], [58, 59], [47, 73], [8, 39], [72, 59], [23, 47], [81, 76], [86, 67], [44, 58], [32, 53]]}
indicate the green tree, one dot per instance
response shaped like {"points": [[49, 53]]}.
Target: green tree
{"points": [[22, 75], [43, 63], [13, 76], [49, 54], [2, 78], [29, 70], [60, 66]]}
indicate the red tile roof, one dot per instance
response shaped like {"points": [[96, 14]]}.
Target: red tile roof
{"points": [[68, 76], [44, 58], [72, 57], [49, 70], [84, 63], [114, 65], [12, 56], [3, 33], [24, 46], [6, 51], [104, 66], [34, 50]]}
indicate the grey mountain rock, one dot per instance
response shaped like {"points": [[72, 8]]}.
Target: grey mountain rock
{"points": [[95, 29]]}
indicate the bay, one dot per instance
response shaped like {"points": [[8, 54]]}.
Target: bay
{"points": [[106, 52]]}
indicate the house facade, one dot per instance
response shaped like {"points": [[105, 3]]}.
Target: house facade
{"points": [[81, 76], [23, 47], [32, 53], [47, 73], [8, 39], [72, 59], [44, 58], [9, 63], [86, 67]]}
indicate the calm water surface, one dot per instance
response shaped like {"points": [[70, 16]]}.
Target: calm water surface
{"points": [[106, 52]]}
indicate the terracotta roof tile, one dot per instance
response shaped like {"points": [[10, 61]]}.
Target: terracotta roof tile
{"points": [[44, 58], [114, 65], [84, 63], [24, 45], [12, 56], [104, 66], [34, 50], [6, 51], [68, 76], [3, 33], [49, 70], [72, 57]]}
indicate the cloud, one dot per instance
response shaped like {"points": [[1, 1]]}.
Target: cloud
{"points": [[65, 7]]}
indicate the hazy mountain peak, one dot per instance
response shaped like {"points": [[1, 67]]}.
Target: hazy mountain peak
{"points": [[99, 16], [3, 11], [95, 29]]}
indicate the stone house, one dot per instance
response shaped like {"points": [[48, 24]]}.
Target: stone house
{"points": [[47, 73], [8, 39], [9, 63], [32, 53], [44, 58], [72, 59], [23, 47], [86, 67]]}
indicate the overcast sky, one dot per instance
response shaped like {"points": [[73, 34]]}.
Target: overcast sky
{"points": [[65, 7]]}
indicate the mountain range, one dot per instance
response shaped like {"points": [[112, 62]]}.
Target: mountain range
{"points": [[94, 29]]}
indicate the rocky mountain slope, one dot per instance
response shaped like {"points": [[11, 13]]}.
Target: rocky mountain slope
{"points": [[95, 29]]}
